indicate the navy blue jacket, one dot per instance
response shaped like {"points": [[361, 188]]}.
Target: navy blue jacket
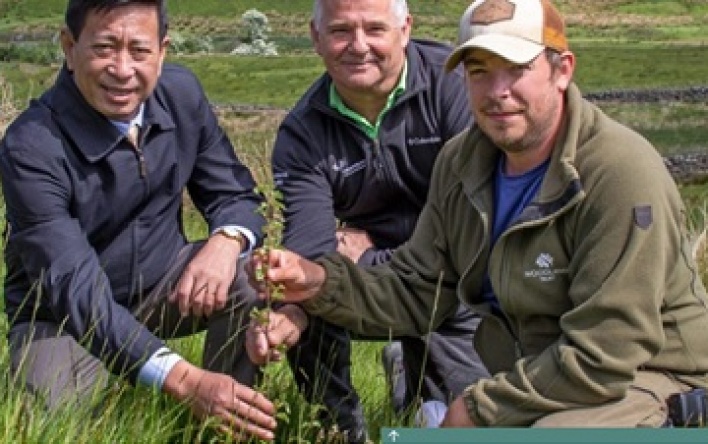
{"points": [[328, 169], [88, 234]]}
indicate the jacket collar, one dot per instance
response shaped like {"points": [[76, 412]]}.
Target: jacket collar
{"points": [[417, 78], [91, 133]]}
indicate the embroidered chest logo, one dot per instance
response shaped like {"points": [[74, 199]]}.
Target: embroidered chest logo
{"points": [[343, 167], [429, 140], [339, 165], [544, 271], [493, 11]]}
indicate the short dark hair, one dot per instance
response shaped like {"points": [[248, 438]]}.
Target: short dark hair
{"points": [[77, 10], [553, 57]]}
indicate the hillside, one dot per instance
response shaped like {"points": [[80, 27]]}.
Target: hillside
{"points": [[627, 50], [621, 46], [646, 20]]}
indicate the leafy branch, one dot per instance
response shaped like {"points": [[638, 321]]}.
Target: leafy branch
{"points": [[272, 210]]}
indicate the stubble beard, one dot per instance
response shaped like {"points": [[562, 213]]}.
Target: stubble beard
{"points": [[536, 131]]}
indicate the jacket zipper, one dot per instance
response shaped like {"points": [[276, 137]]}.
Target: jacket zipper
{"points": [[142, 165], [497, 315], [378, 163], [514, 227], [501, 315]]}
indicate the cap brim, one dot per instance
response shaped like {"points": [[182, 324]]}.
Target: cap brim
{"points": [[514, 49]]}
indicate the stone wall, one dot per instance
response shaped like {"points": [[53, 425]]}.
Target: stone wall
{"points": [[685, 168]]}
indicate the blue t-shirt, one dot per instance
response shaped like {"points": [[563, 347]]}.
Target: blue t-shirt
{"points": [[511, 195]]}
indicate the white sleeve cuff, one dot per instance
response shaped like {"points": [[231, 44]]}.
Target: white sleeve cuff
{"points": [[155, 370], [246, 233]]}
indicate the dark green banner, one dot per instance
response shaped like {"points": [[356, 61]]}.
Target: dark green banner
{"points": [[543, 436]]}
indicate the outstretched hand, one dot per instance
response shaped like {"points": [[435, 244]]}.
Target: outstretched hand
{"points": [[298, 278], [240, 412]]}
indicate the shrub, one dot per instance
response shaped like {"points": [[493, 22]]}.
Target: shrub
{"points": [[182, 43], [256, 24], [43, 53]]}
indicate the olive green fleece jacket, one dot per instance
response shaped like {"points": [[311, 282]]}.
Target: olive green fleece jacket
{"points": [[595, 278]]}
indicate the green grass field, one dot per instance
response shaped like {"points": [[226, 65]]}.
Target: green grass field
{"points": [[619, 44]]}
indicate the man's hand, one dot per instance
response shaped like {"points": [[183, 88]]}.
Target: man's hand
{"points": [[284, 327], [241, 412], [204, 285], [299, 278], [353, 242], [457, 414]]}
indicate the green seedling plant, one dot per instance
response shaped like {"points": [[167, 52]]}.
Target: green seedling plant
{"points": [[271, 208]]}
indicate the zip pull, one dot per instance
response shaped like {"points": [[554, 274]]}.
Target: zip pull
{"points": [[377, 155], [133, 137], [141, 162]]}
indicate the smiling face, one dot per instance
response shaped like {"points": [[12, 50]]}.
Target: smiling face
{"points": [[519, 107], [117, 58], [362, 44]]}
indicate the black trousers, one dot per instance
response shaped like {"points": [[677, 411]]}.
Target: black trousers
{"points": [[442, 364]]}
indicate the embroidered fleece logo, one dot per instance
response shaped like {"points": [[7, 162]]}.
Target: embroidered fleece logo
{"points": [[544, 271], [493, 11], [544, 260]]}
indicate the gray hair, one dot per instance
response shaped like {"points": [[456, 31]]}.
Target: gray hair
{"points": [[399, 8]]}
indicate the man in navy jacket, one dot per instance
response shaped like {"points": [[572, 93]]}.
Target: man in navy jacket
{"points": [[98, 266]]}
